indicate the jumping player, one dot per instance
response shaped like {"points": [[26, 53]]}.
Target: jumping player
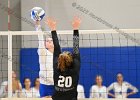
{"points": [[45, 52], [66, 65]]}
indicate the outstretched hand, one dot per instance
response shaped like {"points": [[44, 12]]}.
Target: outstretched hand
{"points": [[76, 23], [51, 23]]}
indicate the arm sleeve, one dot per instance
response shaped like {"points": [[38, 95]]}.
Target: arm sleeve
{"points": [[41, 45], [76, 44], [40, 37], [57, 49], [76, 52], [41, 48], [133, 88]]}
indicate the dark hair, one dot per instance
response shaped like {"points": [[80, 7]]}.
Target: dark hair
{"points": [[35, 80], [99, 76], [26, 78], [24, 81]]}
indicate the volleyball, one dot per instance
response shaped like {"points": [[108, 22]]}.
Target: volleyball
{"points": [[37, 14]]}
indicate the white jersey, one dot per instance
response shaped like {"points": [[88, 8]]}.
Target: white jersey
{"points": [[27, 93], [45, 61], [3, 91], [80, 90], [36, 93], [98, 92], [121, 90]]}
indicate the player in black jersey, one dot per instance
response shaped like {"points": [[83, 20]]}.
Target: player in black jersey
{"points": [[66, 65]]}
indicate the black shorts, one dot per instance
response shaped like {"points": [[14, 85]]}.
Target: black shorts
{"points": [[66, 98], [71, 95]]}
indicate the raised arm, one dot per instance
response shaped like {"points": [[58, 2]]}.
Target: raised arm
{"points": [[76, 24], [40, 36], [52, 25], [76, 42], [41, 45], [57, 49]]}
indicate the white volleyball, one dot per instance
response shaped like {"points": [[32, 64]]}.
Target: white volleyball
{"points": [[37, 14]]}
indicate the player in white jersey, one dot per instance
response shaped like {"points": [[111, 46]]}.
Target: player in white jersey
{"points": [[98, 90], [81, 92], [16, 87], [45, 52], [121, 87]]}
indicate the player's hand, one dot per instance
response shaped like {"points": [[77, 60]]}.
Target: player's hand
{"points": [[37, 23], [51, 23], [76, 23], [128, 94]]}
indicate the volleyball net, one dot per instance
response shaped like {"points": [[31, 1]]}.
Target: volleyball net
{"points": [[103, 52], [3, 61]]}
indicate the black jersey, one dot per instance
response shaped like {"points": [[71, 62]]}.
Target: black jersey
{"points": [[66, 82]]}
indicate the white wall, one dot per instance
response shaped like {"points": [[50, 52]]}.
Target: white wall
{"points": [[121, 13], [15, 26], [3, 16]]}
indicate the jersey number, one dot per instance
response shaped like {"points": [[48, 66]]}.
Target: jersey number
{"points": [[65, 81]]}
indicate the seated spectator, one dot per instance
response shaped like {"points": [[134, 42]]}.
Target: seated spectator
{"points": [[16, 85], [121, 87], [36, 92], [27, 92], [81, 92], [4, 89], [98, 90]]}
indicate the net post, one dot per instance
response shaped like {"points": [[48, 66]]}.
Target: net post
{"points": [[9, 65]]}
